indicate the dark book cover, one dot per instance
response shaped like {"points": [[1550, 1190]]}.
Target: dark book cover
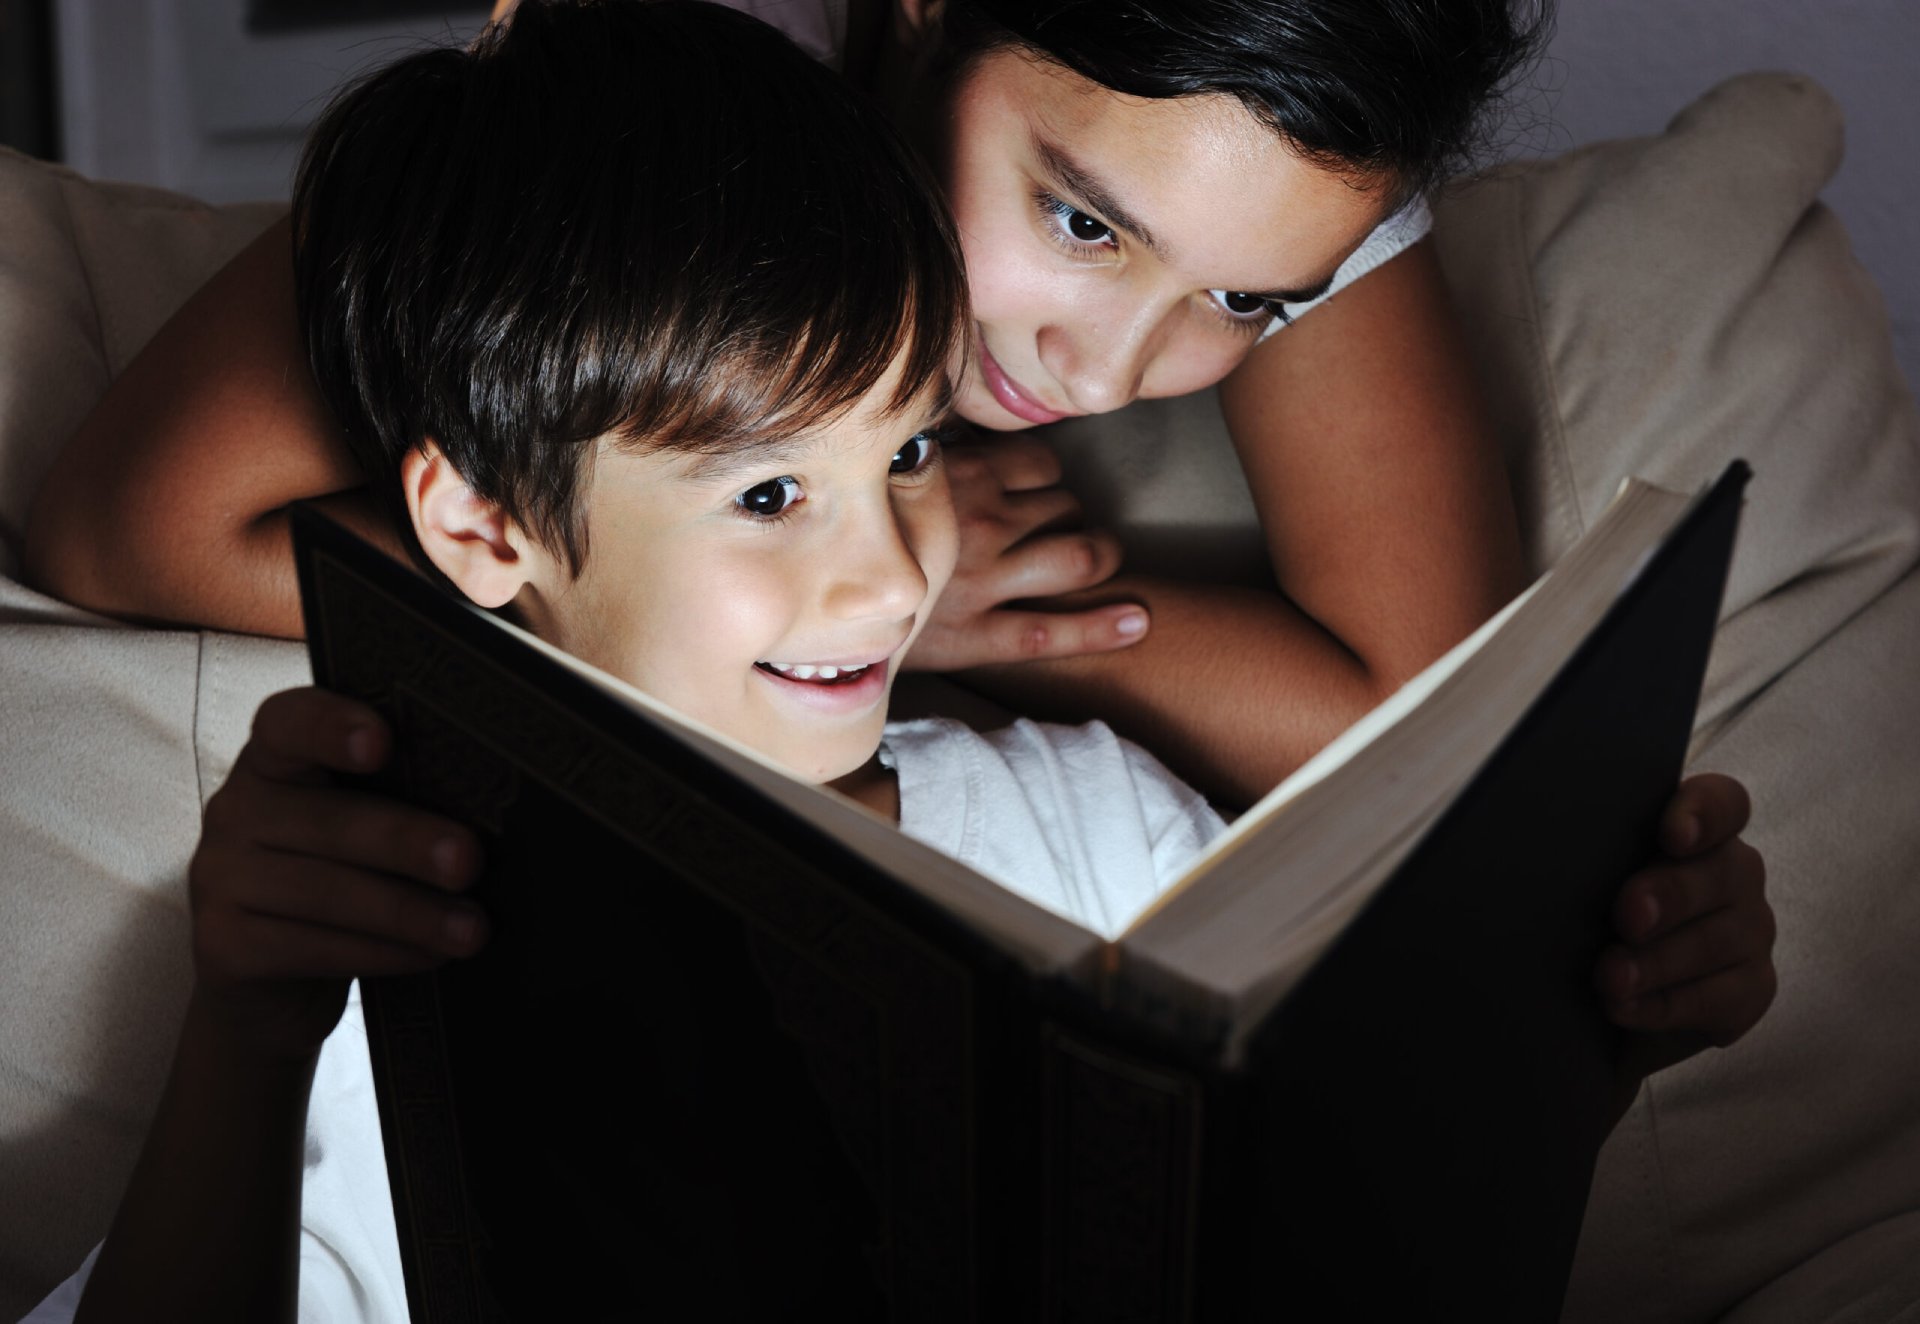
{"points": [[716, 1065]]}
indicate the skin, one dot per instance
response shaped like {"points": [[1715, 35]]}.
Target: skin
{"points": [[1100, 258]]}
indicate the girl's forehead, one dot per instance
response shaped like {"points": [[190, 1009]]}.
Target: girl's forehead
{"points": [[1200, 181]]}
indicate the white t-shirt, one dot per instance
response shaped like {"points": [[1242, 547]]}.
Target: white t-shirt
{"points": [[1074, 818], [1390, 238]]}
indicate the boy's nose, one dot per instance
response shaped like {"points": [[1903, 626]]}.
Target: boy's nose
{"points": [[877, 576]]}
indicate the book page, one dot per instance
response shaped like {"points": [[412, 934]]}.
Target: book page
{"points": [[1253, 914]]}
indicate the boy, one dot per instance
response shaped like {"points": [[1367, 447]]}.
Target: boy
{"points": [[654, 365]]}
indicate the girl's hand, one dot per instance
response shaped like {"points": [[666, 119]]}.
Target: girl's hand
{"points": [[1016, 545], [299, 886], [1694, 966]]}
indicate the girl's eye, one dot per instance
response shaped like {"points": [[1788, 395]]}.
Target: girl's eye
{"points": [[1246, 307], [1074, 225], [771, 498], [916, 455]]}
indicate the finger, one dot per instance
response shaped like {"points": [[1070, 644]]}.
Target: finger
{"points": [[1722, 1007], [266, 948], [1017, 462], [1048, 566], [1029, 636], [1707, 809], [1043, 508], [299, 734], [1720, 941], [1671, 893], [989, 527], [351, 827], [321, 893]]}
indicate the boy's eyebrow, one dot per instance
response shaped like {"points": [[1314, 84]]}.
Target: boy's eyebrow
{"points": [[1090, 189], [775, 449], [758, 453]]}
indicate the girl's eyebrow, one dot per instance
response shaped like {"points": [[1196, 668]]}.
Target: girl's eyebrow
{"points": [[1090, 189], [1076, 179]]}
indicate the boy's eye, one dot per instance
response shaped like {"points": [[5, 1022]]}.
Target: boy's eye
{"points": [[1246, 307], [916, 454], [770, 498]]}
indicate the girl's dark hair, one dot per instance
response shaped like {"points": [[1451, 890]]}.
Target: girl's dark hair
{"points": [[1395, 86], [656, 221]]}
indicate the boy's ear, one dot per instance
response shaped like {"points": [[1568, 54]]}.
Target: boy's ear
{"points": [[472, 542]]}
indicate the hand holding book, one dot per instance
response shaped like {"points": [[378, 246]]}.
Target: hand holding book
{"points": [[1694, 965], [300, 886]]}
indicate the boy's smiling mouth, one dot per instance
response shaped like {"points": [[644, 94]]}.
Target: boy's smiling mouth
{"points": [[837, 689], [817, 674]]}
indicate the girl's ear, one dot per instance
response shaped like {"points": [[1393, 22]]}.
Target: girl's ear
{"points": [[473, 543]]}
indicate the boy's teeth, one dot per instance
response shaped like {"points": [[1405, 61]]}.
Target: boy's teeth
{"points": [[808, 671]]}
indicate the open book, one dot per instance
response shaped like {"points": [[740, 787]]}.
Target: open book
{"points": [[740, 1047]]}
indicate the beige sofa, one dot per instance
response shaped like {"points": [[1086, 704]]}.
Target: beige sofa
{"points": [[1650, 307]]}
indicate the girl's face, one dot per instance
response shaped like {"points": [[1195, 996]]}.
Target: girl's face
{"points": [[1120, 248]]}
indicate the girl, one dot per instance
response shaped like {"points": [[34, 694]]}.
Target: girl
{"points": [[1147, 194]]}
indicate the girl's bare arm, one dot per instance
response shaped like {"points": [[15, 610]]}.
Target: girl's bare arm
{"points": [[1389, 524], [169, 503]]}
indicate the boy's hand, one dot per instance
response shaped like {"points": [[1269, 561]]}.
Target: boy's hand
{"points": [[1694, 966], [1014, 547], [299, 886]]}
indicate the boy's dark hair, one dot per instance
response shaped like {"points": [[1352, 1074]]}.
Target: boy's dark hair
{"points": [[1395, 86], [656, 221]]}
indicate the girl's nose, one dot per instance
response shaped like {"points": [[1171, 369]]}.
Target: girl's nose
{"points": [[1100, 362]]}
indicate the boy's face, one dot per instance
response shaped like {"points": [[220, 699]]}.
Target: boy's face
{"points": [[771, 593]]}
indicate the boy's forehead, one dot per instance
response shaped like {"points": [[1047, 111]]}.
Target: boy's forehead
{"points": [[780, 446]]}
